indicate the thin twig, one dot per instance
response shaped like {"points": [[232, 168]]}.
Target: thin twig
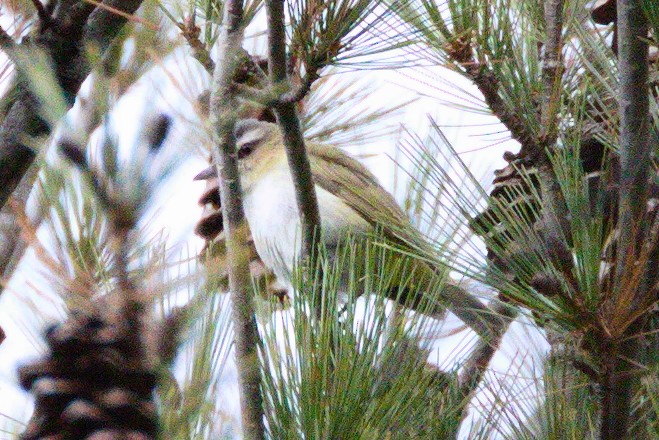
{"points": [[265, 97], [271, 96], [200, 52], [301, 91], [289, 123], [222, 114], [476, 365], [478, 316]]}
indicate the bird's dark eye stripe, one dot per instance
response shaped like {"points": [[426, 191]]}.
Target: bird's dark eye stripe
{"points": [[246, 149]]}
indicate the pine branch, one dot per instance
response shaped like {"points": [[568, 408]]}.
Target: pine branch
{"points": [[190, 32], [42, 13], [14, 245], [488, 84], [486, 322], [222, 105], [122, 360], [289, 123], [72, 30], [620, 379], [302, 90], [475, 367], [103, 24], [554, 213], [635, 146]]}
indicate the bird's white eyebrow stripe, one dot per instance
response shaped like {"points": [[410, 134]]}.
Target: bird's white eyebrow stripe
{"points": [[250, 136], [249, 131], [246, 125]]}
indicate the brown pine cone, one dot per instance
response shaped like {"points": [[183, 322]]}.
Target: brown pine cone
{"points": [[210, 228], [94, 383]]}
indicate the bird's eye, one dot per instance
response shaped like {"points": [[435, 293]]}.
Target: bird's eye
{"points": [[246, 149]]}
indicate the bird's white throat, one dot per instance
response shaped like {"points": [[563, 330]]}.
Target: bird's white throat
{"points": [[272, 214]]}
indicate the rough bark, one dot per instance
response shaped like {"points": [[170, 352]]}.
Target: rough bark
{"points": [[223, 119], [620, 371]]}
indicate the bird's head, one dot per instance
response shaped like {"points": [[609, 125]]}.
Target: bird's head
{"points": [[259, 148]]}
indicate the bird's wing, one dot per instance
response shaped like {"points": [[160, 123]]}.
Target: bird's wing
{"points": [[348, 179]]}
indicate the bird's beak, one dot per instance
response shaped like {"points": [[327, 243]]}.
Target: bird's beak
{"points": [[208, 173]]}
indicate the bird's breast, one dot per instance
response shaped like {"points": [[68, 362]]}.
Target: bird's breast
{"points": [[272, 214], [273, 220]]}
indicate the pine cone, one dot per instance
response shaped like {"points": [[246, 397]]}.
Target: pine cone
{"points": [[515, 189], [94, 383], [210, 228]]}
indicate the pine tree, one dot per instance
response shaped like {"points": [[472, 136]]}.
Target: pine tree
{"points": [[566, 235]]}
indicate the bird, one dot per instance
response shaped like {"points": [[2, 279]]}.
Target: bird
{"points": [[351, 202]]}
